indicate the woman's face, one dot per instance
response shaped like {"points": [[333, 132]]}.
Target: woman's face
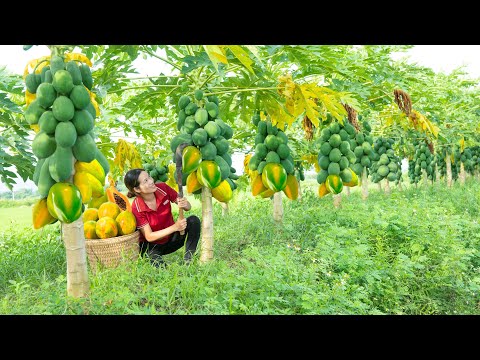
{"points": [[147, 185]]}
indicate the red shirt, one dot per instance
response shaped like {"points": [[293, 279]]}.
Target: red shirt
{"points": [[157, 219]]}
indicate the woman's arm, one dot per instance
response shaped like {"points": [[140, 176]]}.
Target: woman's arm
{"points": [[156, 235]]}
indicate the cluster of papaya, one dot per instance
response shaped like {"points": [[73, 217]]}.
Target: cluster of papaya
{"points": [[205, 160], [272, 161], [471, 158], [386, 164], [362, 146], [108, 220], [62, 114], [157, 170], [299, 171], [441, 158], [335, 158], [422, 159]]}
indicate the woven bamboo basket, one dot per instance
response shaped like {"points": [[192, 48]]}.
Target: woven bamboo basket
{"points": [[112, 251]]}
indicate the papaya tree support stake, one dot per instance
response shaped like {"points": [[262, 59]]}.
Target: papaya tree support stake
{"points": [[425, 177], [448, 162], [277, 207], [77, 274], [364, 184], [462, 176], [387, 187], [224, 208], [337, 200], [206, 251]]}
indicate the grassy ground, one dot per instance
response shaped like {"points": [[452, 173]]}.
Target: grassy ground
{"points": [[414, 252]]}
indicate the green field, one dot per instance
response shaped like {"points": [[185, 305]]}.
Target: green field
{"points": [[21, 216]]}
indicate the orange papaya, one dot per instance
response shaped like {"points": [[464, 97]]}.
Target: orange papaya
{"points": [[192, 183], [126, 223], [40, 214], [274, 176], [291, 189], [322, 190], [115, 196], [223, 192], [257, 185]]}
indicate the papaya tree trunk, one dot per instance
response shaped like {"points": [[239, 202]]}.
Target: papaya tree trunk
{"points": [[337, 200], [462, 175], [448, 162], [387, 187], [424, 177], [278, 207], [400, 187], [379, 185], [347, 190], [206, 251], [364, 184], [299, 198], [77, 273], [224, 208]]}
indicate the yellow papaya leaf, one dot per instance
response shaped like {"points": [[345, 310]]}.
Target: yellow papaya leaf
{"points": [[242, 55], [312, 160], [462, 144], [32, 63], [216, 53], [29, 97], [79, 57], [126, 155], [312, 100]]}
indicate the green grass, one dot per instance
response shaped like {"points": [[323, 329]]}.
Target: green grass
{"points": [[20, 216], [412, 252]]}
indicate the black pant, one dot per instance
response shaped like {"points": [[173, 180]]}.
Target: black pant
{"points": [[192, 235]]}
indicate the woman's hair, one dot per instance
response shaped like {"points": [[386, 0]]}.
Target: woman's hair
{"points": [[131, 181]]}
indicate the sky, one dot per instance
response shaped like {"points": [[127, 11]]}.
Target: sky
{"points": [[440, 58]]}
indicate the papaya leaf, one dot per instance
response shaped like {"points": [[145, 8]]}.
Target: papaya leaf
{"points": [[126, 156], [216, 54], [242, 55], [193, 62]]}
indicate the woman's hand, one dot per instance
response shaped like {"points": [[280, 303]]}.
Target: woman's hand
{"points": [[181, 224], [183, 203]]}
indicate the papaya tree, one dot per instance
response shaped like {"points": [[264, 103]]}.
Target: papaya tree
{"points": [[61, 111]]}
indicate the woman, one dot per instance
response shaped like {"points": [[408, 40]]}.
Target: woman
{"points": [[159, 233]]}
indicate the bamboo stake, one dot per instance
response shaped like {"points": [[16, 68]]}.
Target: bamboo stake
{"points": [[337, 200], [387, 187], [364, 184], [448, 162], [462, 176]]}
